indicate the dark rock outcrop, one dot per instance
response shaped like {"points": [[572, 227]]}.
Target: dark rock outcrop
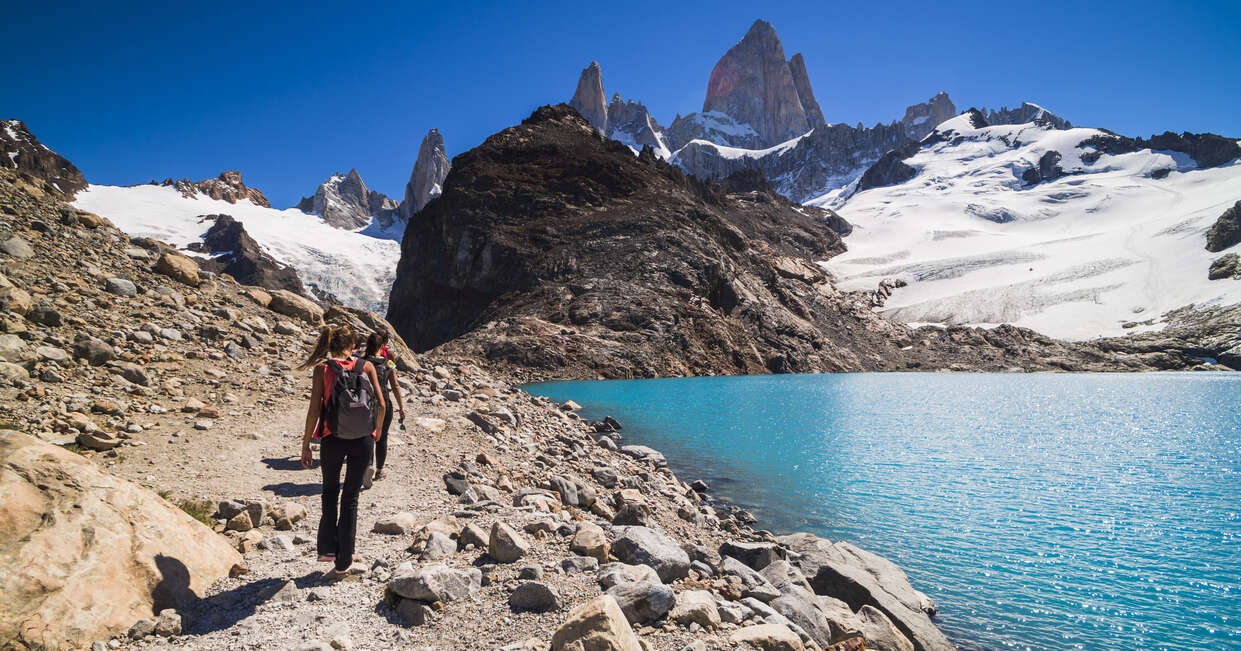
{"points": [[235, 253], [1225, 266], [427, 180], [1024, 114], [1207, 149], [1226, 231], [20, 150], [890, 169], [556, 253], [754, 84], [225, 187], [344, 201]]}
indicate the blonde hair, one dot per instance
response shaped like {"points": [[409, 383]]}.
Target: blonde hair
{"points": [[334, 341]]}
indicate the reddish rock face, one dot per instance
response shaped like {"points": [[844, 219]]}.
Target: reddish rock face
{"points": [[754, 84], [226, 187]]}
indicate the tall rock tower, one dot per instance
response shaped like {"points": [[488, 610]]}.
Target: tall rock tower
{"points": [[754, 84], [589, 99], [427, 180]]}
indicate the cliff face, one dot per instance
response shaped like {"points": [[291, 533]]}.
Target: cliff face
{"points": [[344, 201], [589, 99], [427, 180], [557, 253], [754, 84]]}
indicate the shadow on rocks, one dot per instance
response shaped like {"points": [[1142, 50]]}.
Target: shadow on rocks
{"points": [[290, 489], [224, 610], [285, 463]]}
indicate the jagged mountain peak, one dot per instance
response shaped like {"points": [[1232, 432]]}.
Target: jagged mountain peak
{"points": [[754, 84], [228, 186], [589, 99], [426, 181], [344, 201]]}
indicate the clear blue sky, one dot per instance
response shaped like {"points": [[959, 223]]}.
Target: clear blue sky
{"points": [[289, 93]]}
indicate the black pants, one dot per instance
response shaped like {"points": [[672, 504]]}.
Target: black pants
{"points": [[381, 446], [336, 535]]}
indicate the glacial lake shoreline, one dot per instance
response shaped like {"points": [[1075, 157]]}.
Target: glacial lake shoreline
{"points": [[1021, 503]]}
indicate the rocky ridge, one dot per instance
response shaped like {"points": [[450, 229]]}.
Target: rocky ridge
{"points": [[235, 253], [35, 162], [225, 187], [344, 201], [555, 253], [505, 520], [427, 180]]}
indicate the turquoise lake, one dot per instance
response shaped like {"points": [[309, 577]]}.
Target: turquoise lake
{"points": [[1039, 511]]}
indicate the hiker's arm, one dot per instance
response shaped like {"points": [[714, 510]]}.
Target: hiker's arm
{"points": [[396, 390], [369, 369], [312, 415]]}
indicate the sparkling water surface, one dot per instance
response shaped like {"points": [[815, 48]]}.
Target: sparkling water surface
{"points": [[1039, 511]]}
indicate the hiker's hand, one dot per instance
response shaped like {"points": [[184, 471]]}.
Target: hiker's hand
{"points": [[402, 414], [307, 458], [375, 434]]}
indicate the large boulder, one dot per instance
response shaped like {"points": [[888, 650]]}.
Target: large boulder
{"points": [[86, 554], [597, 625], [431, 583], [506, 545], [860, 578], [767, 637], [179, 268], [643, 601], [646, 546], [287, 303], [1226, 231]]}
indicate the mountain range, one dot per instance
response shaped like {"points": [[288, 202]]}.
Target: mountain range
{"points": [[980, 217]]}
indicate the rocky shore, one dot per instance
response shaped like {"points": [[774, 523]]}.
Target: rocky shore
{"points": [[153, 499]]}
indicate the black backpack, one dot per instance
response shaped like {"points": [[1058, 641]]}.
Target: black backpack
{"points": [[349, 410], [382, 370]]}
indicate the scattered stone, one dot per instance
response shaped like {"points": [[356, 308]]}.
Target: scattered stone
{"points": [[285, 302], [753, 584], [438, 546], [142, 628], [17, 247], [94, 351], [768, 637], [645, 546], [240, 522], [121, 287], [168, 623], [590, 541], [616, 573], [98, 440], [179, 268], [643, 601], [471, 534], [755, 555], [431, 583], [597, 625], [399, 524], [506, 545], [576, 564], [696, 607], [536, 597], [414, 612]]}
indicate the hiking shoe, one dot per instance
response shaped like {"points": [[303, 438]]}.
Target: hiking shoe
{"points": [[368, 477]]}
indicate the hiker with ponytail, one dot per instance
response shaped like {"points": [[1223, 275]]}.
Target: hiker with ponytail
{"points": [[376, 354], [345, 398]]}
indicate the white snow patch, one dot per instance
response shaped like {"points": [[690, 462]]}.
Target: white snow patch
{"points": [[354, 266], [1076, 258]]}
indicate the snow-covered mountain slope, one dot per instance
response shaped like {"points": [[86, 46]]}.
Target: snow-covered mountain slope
{"points": [[993, 228], [352, 266]]}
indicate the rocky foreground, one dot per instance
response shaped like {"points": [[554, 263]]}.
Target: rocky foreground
{"points": [[152, 495]]}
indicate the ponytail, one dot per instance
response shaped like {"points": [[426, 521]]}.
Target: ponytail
{"points": [[373, 342], [331, 340]]}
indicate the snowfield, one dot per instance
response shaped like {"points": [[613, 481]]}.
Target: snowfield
{"points": [[354, 266], [1081, 256]]}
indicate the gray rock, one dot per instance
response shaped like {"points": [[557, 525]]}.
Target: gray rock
{"points": [[784, 577], [142, 628], [431, 583], [94, 351], [535, 597], [606, 476], [1225, 266], [645, 546], [414, 612], [438, 546], [284, 592], [228, 509], [168, 623], [643, 601], [645, 454], [612, 574], [753, 584], [130, 371], [860, 578], [121, 287], [52, 354], [696, 607], [505, 544], [16, 247], [530, 573], [755, 555], [399, 524], [567, 489], [879, 631], [576, 564]]}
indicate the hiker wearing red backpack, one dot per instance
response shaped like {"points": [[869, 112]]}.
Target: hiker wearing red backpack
{"points": [[344, 400], [377, 354]]}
